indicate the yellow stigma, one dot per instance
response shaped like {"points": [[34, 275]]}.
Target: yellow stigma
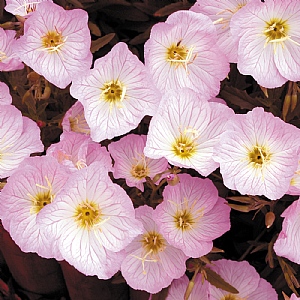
{"points": [[186, 216], [88, 214], [183, 219], [53, 41], [276, 30], [140, 169], [152, 243], [114, 93], [179, 55], [258, 156], [227, 14], [185, 145], [42, 198]]}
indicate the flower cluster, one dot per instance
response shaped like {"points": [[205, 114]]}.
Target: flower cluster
{"points": [[112, 195]]}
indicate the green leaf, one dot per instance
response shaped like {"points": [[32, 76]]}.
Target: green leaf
{"points": [[216, 280], [101, 42], [173, 7]]}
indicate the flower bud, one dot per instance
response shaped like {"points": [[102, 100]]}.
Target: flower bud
{"points": [[172, 179], [269, 219]]}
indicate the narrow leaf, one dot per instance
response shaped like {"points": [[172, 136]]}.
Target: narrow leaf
{"points": [[101, 42], [216, 280]]}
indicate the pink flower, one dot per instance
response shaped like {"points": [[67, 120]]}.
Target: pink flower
{"points": [[56, 43], [5, 97], [19, 137], [294, 297], [220, 12], [244, 278], [116, 94], [92, 219], [179, 286], [185, 130], [192, 215], [78, 151], [34, 185], [258, 154], [182, 52], [9, 56], [131, 163], [22, 7], [74, 120], [268, 37], [151, 263], [287, 243]]}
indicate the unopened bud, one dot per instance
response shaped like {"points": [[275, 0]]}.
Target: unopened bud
{"points": [[172, 179], [269, 219], [41, 123]]}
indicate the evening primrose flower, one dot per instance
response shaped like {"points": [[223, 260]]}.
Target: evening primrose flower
{"points": [[220, 12], [116, 94], [151, 263], [131, 163], [192, 215], [185, 130], [287, 243], [258, 154], [29, 189], [182, 52], [22, 7], [269, 41], [9, 56], [77, 151], [19, 137], [243, 277], [92, 219], [56, 43]]}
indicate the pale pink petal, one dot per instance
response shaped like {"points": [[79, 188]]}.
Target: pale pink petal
{"points": [[5, 97], [192, 215], [287, 243], [93, 219], [151, 266], [204, 65], [63, 60], [33, 186], [119, 73], [179, 287], [131, 163]]}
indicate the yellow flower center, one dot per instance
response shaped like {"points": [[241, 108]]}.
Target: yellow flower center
{"points": [[113, 92], [259, 156], [185, 145], [183, 219], [140, 170], [180, 55], [41, 199], [276, 30], [152, 243], [52, 41], [88, 214]]}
